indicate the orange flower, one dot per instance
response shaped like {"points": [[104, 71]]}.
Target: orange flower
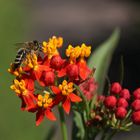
{"points": [[65, 94], [24, 90], [34, 67], [43, 108], [82, 70]]}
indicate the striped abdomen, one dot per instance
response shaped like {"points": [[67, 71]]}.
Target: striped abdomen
{"points": [[21, 54]]}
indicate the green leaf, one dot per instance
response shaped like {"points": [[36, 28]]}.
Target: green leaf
{"points": [[78, 131], [101, 58]]}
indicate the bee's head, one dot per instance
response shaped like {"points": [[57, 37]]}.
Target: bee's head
{"points": [[36, 44]]}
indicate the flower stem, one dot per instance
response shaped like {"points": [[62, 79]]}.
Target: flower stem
{"points": [[62, 123]]}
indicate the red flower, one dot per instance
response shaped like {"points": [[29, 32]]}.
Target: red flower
{"points": [[56, 62], [125, 94], [65, 94], [136, 105], [88, 88], [115, 88], [47, 78], [34, 67], [110, 102], [136, 117], [43, 108], [24, 89], [72, 71], [122, 103], [84, 71], [120, 113], [136, 93]]}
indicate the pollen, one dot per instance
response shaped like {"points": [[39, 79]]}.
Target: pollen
{"points": [[73, 53], [85, 50], [31, 61], [66, 87], [44, 101], [16, 72], [78, 52], [19, 87], [50, 47]]}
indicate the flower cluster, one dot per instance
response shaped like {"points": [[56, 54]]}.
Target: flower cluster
{"points": [[44, 79], [118, 110]]}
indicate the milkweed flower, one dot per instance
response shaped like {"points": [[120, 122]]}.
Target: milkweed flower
{"points": [[65, 93], [24, 90], [43, 107], [77, 56]]}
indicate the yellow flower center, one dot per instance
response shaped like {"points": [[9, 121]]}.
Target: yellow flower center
{"points": [[16, 72], [76, 52], [50, 47], [31, 61], [66, 87], [44, 101], [19, 87]]}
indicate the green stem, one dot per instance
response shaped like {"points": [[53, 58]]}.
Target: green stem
{"points": [[63, 123]]}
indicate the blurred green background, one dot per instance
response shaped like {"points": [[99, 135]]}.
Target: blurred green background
{"points": [[78, 21], [14, 124]]}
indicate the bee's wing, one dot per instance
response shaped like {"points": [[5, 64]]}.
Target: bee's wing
{"points": [[21, 45]]}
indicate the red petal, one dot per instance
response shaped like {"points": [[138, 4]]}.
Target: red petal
{"points": [[37, 74], [55, 89], [39, 117], [44, 68], [58, 98], [30, 84], [84, 71], [74, 98], [61, 72], [50, 115], [66, 105]]}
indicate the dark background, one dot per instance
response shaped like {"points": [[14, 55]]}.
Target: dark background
{"points": [[77, 21]]}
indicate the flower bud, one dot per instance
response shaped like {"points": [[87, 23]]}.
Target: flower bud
{"points": [[56, 62], [120, 113], [47, 78], [115, 88], [136, 93], [136, 105], [122, 103], [72, 71], [136, 117], [125, 94], [110, 101]]}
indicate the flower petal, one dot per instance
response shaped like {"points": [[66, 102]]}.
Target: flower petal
{"points": [[55, 89], [50, 115], [66, 104], [74, 98], [84, 71], [39, 117], [61, 72]]}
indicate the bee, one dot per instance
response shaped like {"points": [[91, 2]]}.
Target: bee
{"points": [[25, 48]]}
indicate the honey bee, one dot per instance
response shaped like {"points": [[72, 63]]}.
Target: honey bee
{"points": [[25, 48]]}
